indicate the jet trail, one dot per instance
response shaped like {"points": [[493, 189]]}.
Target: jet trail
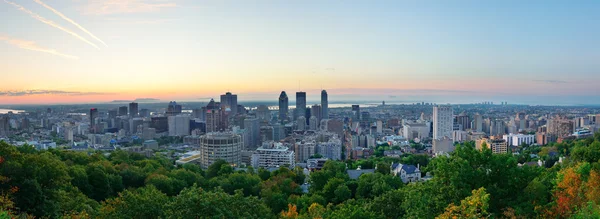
{"points": [[51, 23], [30, 45], [69, 20]]}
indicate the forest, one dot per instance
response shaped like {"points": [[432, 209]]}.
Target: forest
{"points": [[466, 184]]}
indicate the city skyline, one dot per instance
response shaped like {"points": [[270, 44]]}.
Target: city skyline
{"points": [[65, 52]]}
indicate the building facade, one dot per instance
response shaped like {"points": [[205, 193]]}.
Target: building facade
{"points": [[442, 121], [220, 146]]}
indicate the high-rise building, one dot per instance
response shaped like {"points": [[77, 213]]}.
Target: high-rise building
{"points": [[497, 128], [283, 106], [316, 111], [144, 113], [229, 101], [263, 114], [93, 116], [214, 117], [173, 109], [313, 123], [273, 155], [225, 146], [252, 126], [4, 126], [160, 124], [300, 105], [179, 125], [324, 105], [122, 110], [464, 120], [304, 150], [442, 121], [133, 110], [301, 123], [356, 111]]}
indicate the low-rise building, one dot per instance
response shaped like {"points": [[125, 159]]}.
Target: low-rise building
{"points": [[407, 173], [273, 154]]}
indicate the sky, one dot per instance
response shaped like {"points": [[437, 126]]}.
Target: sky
{"points": [[87, 51]]}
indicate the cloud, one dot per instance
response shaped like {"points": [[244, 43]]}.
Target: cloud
{"points": [[30, 45], [552, 81], [48, 92], [69, 20], [104, 7], [51, 23]]}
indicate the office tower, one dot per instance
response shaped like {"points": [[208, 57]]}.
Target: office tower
{"points": [[229, 101], [263, 114], [442, 121], [464, 120], [313, 123], [356, 111], [316, 111], [214, 117], [225, 146], [173, 109], [179, 125], [123, 111], [301, 123], [144, 113], [300, 104], [93, 116], [379, 126], [133, 110], [283, 106], [112, 114], [135, 124], [161, 124], [324, 105], [497, 128], [252, 125], [4, 126]]}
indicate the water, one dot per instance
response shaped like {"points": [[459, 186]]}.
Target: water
{"points": [[5, 111]]}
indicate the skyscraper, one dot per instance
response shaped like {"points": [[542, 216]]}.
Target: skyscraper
{"points": [[442, 121], [93, 116], [283, 106], [173, 109], [356, 111], [179, 125], [4, 126], [122, 110], [252, 126], [213, 117], [477, 123], [463, 120], [300, 104], [229, 101], [324, 105], [316, 111], [133, 110]]}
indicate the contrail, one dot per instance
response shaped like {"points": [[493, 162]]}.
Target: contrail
{"points": [[51, 23], [69, 20], [30, 45]]}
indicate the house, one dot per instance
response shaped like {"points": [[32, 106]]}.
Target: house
{"points": [[408, 173], [355, 174]]}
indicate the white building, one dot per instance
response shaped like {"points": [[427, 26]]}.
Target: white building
{"points": [[408, 173], [313, 123], [519, 139], [179, 125], [442, 121], [379, 126], [415, 130], [273, 154], [459, 136], [331, 149]]}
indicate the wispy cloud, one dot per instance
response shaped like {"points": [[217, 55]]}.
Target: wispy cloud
{"points": [[30, 45], [69, 20], [48, 92], [104, 7], [552, 81], [51, 23]]}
